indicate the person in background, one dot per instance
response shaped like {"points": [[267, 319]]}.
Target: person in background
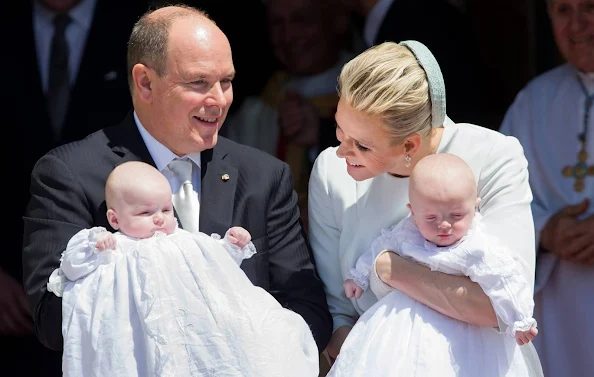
{"points": [[293, 117], [553, 117]]}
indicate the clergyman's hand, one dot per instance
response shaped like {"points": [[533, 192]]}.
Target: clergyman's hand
{"points": [[15, 316], [563, 234], [581, 237]]}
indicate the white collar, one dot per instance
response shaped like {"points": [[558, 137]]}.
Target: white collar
{"points": [[588, 80], [374, 21], [160, 153], [81, 14]]}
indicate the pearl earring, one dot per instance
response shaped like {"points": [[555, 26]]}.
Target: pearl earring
{"points": [[407, 160]]}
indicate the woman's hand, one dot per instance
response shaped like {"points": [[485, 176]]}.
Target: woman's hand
{"points": [[336, 341]]}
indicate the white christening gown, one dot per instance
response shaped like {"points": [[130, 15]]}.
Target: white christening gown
{"points": [[173, 305], [399, 336]]}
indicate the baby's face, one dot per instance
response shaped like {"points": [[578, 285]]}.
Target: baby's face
{"points": [[443, 219], [145, 212]]}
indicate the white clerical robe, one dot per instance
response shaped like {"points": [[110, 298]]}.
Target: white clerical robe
{"points": [[547, 116]]}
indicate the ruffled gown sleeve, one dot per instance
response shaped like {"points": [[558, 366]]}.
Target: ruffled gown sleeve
{"points": [[80, 258], [238, 254]]}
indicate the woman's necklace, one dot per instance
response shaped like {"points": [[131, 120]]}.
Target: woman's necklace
{"points": [[581, 170]]}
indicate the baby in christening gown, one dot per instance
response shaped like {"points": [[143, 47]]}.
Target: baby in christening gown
{"points": [[155, 300], [399, 336]]}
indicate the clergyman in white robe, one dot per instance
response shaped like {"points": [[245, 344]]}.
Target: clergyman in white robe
{"points": [[547, 116]]}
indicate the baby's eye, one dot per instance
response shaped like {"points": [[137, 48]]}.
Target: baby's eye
{"points": [[430, 218]]}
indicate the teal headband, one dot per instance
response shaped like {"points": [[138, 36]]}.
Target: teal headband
{"points": [[434, 78]]}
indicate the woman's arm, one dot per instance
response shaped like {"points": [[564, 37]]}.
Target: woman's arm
{"points": [[455, 296], [324, 235], [505, 207]]}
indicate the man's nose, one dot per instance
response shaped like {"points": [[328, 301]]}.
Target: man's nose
{"points": [[216, 96]]}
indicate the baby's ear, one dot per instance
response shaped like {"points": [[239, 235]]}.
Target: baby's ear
{"points": [[478, 201], [410, 209], [112, 218]]}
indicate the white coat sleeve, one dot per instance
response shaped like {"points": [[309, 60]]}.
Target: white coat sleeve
{"points": [[324, 237]]}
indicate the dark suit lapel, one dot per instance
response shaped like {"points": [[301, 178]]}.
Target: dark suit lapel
{"points": [[218, 185]]}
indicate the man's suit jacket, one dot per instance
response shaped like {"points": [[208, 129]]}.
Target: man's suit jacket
{"points": [[448, 34], [100, 96], [68, 195]]}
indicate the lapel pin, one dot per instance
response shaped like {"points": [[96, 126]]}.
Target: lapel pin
{"points": [[225, 177]]}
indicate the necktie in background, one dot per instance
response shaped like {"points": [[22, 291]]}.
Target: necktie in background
{"points": [[185, 200], [59, 78]]}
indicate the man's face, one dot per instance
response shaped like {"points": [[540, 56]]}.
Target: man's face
{"points": [[302, 35], [573, 28], [191, 100]]}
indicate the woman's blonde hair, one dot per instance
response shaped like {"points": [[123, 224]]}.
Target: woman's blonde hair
{"points": [[387, 81]]}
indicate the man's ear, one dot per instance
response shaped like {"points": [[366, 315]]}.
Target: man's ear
{"points": [[112, 218], [142, 77]]}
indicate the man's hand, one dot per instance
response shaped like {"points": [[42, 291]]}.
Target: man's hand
{"points": [[106, 241], [336, 341], [352, 289], [569, 238], [239, 236], [298, 120], [15, 316], [525, 337]]}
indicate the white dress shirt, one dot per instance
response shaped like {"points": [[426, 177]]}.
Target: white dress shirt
{"points": [[76, 36], [374, 21], [163, 156]]}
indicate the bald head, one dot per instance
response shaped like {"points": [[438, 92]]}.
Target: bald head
{"points": [[149, 41], [133, 177], [442, 177]]}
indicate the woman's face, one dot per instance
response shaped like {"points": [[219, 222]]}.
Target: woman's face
{"points": [[365, 145]]}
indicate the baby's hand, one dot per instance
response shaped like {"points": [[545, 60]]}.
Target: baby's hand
{"points": [[352, 289], [106, 241], [525, 337], [239, 236]]}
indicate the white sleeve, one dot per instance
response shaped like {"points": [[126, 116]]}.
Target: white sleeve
{"points": [[324, 236], [517, 122], [81, 256], [485, 261], [505, 202], [238, 254]]}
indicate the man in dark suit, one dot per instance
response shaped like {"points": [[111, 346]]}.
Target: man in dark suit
{"points": [[448, 33], [180, 71]]}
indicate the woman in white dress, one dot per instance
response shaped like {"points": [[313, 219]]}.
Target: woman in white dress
{"points": [[156, 300], [390, 115], [444, 232]]}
